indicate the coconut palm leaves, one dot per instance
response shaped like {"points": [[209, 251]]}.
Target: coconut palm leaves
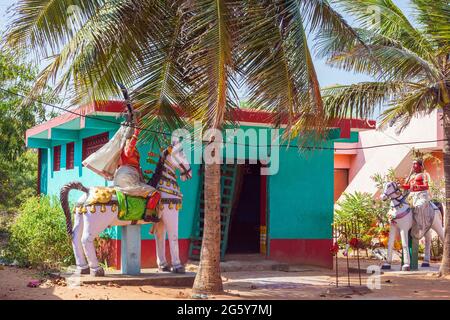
{"points": [[193, 54], [410, 64]]}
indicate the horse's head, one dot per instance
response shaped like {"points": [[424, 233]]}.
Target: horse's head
{"points": [[177, 157], [391, 190]]}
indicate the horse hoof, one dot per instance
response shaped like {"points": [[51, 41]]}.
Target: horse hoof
{"points": [[99, 272], [164, 268], [152, 219], [83, 271], [406, 268], [386, 267], [179, 269], [425, 265]]}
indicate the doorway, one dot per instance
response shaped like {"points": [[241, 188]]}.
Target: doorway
{"points": [[245, 222]]}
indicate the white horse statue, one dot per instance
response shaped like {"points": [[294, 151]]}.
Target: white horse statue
{"points": [[98, 209], [402, 219]]}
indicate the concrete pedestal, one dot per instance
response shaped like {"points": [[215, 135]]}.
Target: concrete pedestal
{"points": [[131, 250]]}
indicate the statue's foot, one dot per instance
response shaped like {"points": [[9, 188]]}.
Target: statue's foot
{"points": [[83, 271], [178, 269], [164, 268], [386, 266], [406, 267], [425, 264], [99, 272], [153, 219]]}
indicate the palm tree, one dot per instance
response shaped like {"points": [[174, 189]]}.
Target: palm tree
{"points": [[411, 67], [192, 54]]}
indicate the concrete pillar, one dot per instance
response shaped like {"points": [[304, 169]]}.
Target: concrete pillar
{"points": [[131, 250], [414, 253]]}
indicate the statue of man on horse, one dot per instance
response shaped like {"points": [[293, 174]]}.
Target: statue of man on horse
{"points": [[419, 218], [130, 200]]}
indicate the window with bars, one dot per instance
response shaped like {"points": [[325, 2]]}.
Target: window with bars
{"points": [[70, 154], [56, 158], [92, 144]]}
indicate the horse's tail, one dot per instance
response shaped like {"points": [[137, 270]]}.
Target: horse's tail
{"points": [[64, 198]]}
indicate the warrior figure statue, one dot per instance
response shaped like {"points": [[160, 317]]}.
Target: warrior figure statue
{"points": [[131, 200], [427, 215], [129, 179]]}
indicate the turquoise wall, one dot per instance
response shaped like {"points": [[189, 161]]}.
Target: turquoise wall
{"points": [[300, 195]]}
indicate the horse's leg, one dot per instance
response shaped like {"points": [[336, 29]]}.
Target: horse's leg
{"points": [[160, 243], [427, 253], [392, 235], [94, 224], [170, 219], [437, 225], [77, 233], [404, 229]]}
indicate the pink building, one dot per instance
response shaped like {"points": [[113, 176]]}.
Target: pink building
{"points": [[353, 168]]}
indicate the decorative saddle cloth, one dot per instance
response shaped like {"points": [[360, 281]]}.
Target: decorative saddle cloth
{"points": [[132, 208], [129, 208]]}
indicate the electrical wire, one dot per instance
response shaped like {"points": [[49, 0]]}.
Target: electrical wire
{"points": [[257, 146]]}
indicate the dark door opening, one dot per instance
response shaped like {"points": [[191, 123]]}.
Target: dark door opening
{"points": [[244, 229]]}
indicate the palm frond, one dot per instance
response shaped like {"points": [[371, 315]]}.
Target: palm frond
{"points": [[360, 100], [385, 18], [434, 16], [421, 101], [210, 41], [44, 25], [396, 62], [277, 64]]}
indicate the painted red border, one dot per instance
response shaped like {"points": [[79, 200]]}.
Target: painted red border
{"points": [[148, 252], [239, 115], [302, 251]]}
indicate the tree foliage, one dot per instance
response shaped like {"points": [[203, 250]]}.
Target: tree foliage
{"points": [[18, 168]]}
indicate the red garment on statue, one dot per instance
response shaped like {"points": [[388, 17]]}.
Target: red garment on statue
{"points": [[418, 183], [129, 155]]}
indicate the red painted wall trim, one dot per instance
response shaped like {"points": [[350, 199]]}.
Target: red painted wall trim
{"points": [[302, 251], [240, 115], [148, 252]]}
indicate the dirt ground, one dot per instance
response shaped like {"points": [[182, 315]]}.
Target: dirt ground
{"points": [[300, 282]]}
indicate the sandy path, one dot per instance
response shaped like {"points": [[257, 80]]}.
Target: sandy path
{"points": [[304, 283]]}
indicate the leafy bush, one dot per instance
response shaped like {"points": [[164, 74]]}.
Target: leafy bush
{"points": [[361, 210], [361, 207], [6, 220], [38, 235], [17, 180]]}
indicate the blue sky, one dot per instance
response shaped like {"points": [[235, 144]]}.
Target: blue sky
{"points": [[327, 76]]}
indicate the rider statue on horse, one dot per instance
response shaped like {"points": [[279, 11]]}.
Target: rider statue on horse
{"points": [[130, 200], [417, 219], [418, 185]]}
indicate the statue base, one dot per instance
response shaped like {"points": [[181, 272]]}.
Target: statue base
{"points": [[146, 277]]}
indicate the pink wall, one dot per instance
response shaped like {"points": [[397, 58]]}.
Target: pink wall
{"points": [[364, 163]]}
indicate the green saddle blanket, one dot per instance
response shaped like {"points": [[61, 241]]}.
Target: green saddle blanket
{"points": [[131, 208]]}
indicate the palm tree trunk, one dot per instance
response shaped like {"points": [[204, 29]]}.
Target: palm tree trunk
{"points": [[445, 266], [208, 278]]}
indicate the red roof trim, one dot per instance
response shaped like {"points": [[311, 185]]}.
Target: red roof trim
{"points": [[239, 115]]}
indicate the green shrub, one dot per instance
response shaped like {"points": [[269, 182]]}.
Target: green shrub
{"points": [[38, 236], [364, 215], [6, 219]]}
